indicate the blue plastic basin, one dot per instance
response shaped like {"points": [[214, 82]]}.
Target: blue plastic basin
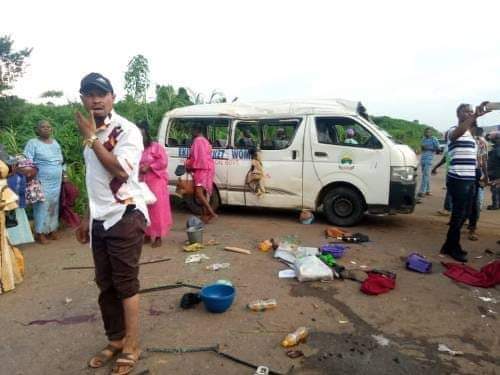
{"points": [[217, 298]]}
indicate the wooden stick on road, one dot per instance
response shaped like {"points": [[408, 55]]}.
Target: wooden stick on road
{"points": [[237, 250]]}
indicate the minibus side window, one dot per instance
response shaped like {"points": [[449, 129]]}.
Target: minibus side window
{"points": [[344, 131], [278, 135], [180, 133], [247, 135], [216, 130], [218, 133]]}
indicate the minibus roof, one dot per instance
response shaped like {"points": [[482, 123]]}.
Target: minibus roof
{"points": [[285, 108]]}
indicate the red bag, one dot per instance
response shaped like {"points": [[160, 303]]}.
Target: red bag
{"points": [[378, 283]]}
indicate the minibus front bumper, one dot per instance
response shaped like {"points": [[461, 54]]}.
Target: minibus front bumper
{"points": [[402, 190], [402, 197]]}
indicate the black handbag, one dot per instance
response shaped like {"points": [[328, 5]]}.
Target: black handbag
{"points": [[10, 219]]}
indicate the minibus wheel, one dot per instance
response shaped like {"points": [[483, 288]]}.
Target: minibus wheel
{"points": [[195, 206], [343, 206]]}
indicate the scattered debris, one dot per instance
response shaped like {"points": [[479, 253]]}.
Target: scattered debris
{"points": [[444, 348], [295, 338], [336, 250], [193, 247], [152, 261], [353, 262], [265, 245], [224, 282], [488, 299], [343, 321], [179, 284], [418, 263], [310, 268], [378, 282], [67, 301], [237, 250], [190, 300], [218, 266], [211, 242], [287, 274], [335, 232], [262, 304], [381, 340], [70, 320], [214, 349], [306, 217], [196, 258], [294, 353], [262, 370]]}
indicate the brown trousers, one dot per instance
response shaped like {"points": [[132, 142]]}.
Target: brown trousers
{"points": [[116, 254]]}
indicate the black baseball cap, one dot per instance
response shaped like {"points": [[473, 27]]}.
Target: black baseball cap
{"points": [[95, 80]]}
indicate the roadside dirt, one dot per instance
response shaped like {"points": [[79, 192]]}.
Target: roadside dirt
{"points": [[422, 312]]}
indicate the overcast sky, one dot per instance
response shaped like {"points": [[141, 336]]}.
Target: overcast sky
{"points": [[406, 59]]}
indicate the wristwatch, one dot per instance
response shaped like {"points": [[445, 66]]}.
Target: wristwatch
{"points": [[90, 141]]}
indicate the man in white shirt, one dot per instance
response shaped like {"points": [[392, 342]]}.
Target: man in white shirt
{"points": [[118, 218]]}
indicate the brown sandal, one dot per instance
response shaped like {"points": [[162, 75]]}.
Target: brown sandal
{"points": [[102, 358], [125, 363]]}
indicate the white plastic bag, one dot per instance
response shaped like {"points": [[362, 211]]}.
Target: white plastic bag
{"points": [[310, 268], [147, 194]]}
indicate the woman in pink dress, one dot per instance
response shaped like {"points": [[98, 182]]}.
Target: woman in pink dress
{"points": [[202, 166], [153, 171]]}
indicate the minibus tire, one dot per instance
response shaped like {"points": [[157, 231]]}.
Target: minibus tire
{"points": [[195, 207], [343, 206]]}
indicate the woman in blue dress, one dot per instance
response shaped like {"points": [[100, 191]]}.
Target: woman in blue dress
{"points": [[46, 154]]}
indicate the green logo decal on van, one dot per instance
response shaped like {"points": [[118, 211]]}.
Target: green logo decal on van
{"points": [[346, 162]]}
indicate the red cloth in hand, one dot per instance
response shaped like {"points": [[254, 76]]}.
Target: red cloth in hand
{"points": [[377, 283], [487, 277]]}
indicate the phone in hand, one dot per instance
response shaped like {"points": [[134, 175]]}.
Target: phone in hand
{"points": [[492, 106]]}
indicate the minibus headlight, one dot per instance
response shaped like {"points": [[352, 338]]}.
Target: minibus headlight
{"points": [[402, 174]]}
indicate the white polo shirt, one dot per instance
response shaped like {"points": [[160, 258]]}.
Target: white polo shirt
{"points": [[108, 196]]}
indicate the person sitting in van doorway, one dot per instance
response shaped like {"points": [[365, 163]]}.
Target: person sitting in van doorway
{"points": [[246, 141], [281, 140], [201, 164], [430, 146], [461, 178], [349, 137]]}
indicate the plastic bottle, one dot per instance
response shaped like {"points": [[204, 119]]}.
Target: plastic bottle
{"points": [[218, 266], [262, 304], [295, 338]]}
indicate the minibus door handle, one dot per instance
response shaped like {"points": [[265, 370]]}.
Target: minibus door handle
{"points": [[294, 154], [321, 154]]}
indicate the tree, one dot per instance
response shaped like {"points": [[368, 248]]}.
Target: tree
{"points": [[52, 94], [12, 63], [137, 78]]}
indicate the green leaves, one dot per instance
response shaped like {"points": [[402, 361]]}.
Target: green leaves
{"points": [[406, 132], [12, 64]]}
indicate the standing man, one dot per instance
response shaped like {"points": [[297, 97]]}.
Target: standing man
{"points": [[430, 146], [118, 218], [476, 201], [461, 178]]}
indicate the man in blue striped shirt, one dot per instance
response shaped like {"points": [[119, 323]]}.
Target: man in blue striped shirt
{"points": [[461, 179]]}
